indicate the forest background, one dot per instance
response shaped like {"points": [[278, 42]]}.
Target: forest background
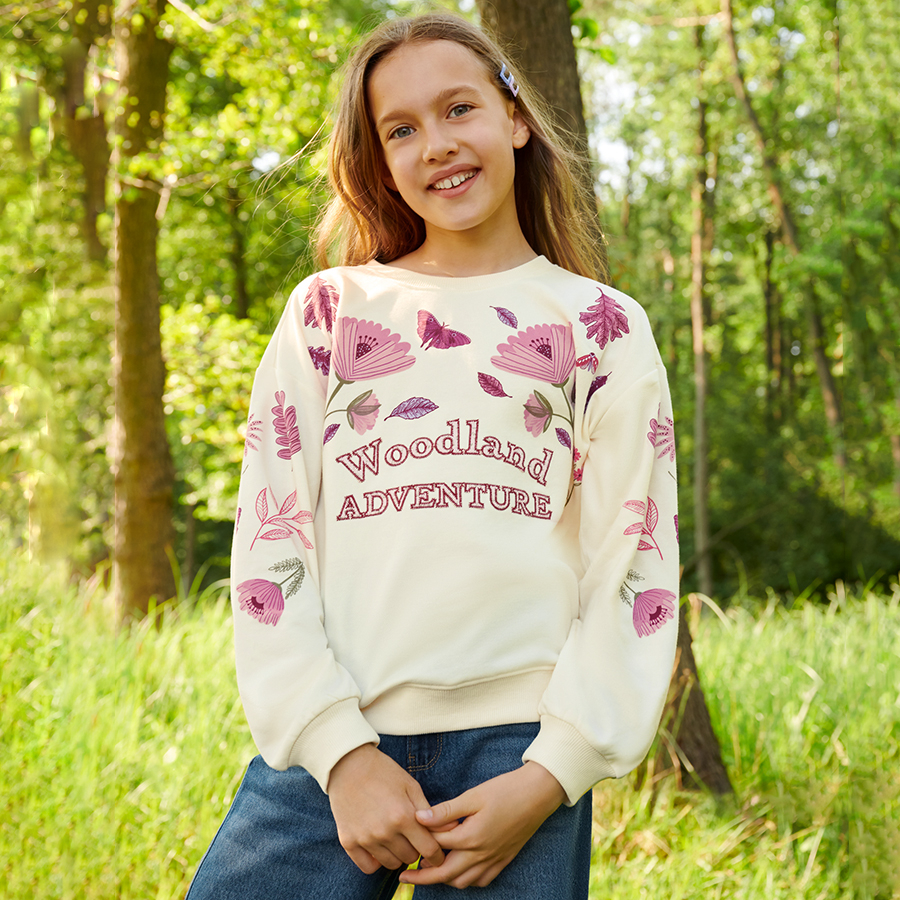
{"points": [[802, 483], [799, 327], [746, 166]]}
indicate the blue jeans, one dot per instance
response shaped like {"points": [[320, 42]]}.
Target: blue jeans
{"points": [[279, 840]]}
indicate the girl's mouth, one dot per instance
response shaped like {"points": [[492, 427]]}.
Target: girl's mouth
{"points": [[453, 181]]}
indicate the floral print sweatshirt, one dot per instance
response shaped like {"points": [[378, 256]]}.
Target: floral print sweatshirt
{"points": [[457, 510]]}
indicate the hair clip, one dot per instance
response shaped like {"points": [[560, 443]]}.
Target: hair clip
{"points": [[507, 78]]}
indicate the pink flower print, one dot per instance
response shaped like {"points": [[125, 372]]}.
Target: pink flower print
{"points": [[262, 599], [366, 350], [545, 352], [662, 434], [651, 610], [537, 414], [578, 475], [362, 412], [606, 320]]}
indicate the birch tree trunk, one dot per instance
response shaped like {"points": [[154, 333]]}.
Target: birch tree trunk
{"points": [[142, 462]]}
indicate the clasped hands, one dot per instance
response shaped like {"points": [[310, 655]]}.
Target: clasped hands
{"points": [[383, 819]]}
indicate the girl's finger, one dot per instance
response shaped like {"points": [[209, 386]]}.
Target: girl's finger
{"points": [[448, 811]]}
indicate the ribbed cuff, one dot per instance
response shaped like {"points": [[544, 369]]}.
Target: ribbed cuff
{"points": [[568, 757], [329, 737]]}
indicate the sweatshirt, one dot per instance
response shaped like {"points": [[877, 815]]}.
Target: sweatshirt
{"points": [[458, 510]]}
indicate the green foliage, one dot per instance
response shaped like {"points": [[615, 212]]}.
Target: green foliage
{"points": [[782, 511], [212, 357], [123, 751]]}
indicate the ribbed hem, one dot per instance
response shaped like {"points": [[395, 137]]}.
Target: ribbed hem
{"points": [[329, 737], [463, 282], [425, 709], [566, 755]]}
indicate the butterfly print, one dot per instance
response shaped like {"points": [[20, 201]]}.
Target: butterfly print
{"points": [[434, 334], [588, 361]]}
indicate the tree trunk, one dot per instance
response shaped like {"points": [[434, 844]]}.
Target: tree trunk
{"points": [[238, 253], [142, 462], [687, 731], [538, 34], [540, 30], [698, 280], [792, 242], [85, 128]]}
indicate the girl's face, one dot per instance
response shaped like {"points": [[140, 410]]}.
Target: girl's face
{"points": [[448, 135]]}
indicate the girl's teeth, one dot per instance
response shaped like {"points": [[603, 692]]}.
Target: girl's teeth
{"points": [[453, 181]]}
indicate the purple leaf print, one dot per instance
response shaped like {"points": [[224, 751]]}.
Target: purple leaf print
{"points": [[563, 437], [491, 385], [285, 427], [606, 320], [414, 408], [677, 539], [330, 432], [596, 384], [279, 524], [506, 317], [321, 358], [321, 303], [649, 520]]}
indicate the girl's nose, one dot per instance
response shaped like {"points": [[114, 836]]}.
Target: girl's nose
{"points": [[439, 143]]}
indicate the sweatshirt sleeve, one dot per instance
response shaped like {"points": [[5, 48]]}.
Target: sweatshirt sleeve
{"points": [[302, 706], [603, 704]]}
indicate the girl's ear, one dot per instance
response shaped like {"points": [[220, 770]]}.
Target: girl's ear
{"points": [[521, 131]]}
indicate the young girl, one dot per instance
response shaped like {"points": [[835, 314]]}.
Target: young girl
{"points": [[455, 558]]}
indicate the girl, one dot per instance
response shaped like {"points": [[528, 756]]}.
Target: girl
{"points": [[455, 558]]}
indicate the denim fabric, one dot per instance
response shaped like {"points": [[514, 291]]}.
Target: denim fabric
{"points": [[279, 840]]}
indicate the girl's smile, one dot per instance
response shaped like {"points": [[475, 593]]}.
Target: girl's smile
{"points": [[448, 137]]}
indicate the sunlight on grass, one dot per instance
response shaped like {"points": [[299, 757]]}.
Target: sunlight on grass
{"points": [[123, 751]]}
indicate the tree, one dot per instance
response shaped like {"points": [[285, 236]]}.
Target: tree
{"points": [[539, 33], [522, 23], [142, 462]]}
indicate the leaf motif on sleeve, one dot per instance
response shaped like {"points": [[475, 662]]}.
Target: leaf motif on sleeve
{"points": [[563, 437], [285, 421], [637, 506], [652, 515], [643, 545], [491, 385], [413, 408], [262, 505], [330, 432], [280, 524], [276, 534], [320, 305], [605, 320], [506, 317]]}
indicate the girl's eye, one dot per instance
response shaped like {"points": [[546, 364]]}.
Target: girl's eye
{"points": [[401, 132], [459, 110]]}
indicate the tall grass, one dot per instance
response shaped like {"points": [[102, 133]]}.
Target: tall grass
{"points": [[121, 752]]}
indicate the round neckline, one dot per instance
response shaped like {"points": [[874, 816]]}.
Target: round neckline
{"points": [[469, 282]]}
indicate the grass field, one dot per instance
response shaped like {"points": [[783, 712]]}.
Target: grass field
{"points": [[121, 752]]}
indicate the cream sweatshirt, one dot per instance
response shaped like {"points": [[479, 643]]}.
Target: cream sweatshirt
{"points": [[457, 510]]}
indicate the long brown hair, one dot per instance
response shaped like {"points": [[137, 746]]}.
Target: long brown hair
{"points": [[367, 220]]}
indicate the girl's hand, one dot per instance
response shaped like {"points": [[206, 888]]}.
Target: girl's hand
{"points": [[374, 803], [499, 818]]}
